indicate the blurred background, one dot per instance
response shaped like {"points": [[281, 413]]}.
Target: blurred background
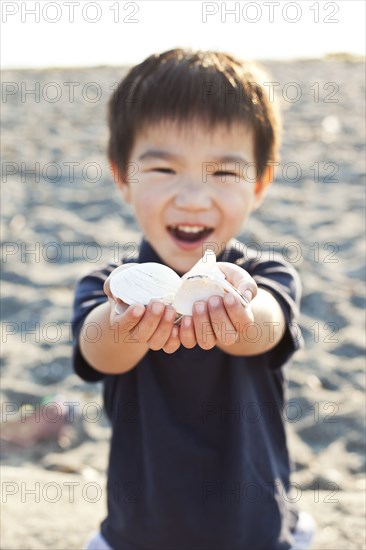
{"points": [[62, 217], [79, 34]]}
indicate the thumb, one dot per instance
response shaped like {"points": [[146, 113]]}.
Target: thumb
{"points": [[239, 279]]}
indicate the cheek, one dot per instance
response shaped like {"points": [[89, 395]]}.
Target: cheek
{"points": [[147, 206], [238, 206]]}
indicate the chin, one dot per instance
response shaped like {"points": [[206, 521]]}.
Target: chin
{"points": [[182, 265]]}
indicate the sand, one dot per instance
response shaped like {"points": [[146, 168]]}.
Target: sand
{"points": [[65, 218]]}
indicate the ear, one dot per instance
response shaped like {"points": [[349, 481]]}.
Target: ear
{"points": [[262, 185], [122, 184]]}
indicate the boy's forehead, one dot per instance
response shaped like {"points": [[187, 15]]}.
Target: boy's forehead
{"points": [[184, 127], [170, 133]]}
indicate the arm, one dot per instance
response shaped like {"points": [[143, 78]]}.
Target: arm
{"points": [[116, 351], [263, 333]]}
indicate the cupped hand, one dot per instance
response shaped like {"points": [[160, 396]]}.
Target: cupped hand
{"points": [[152, 324], [220, 320]]}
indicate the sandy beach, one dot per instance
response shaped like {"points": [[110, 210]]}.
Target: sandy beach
{"points": [[62, 216]]}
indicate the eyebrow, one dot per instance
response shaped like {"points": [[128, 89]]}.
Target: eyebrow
{"points": [[157, 153], [162, 154], [231, 158]]}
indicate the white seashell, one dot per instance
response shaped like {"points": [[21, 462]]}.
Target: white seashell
{"points": [[198, 287], [150, 281], [144, 282], [201, 282], [204, 265]]}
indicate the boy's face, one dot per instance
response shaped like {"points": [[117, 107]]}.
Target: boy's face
{"points": [[191, 189]]}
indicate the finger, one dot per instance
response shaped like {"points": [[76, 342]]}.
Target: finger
{"points": [[239, 279], [150, 321], [225, 331], [205, 334], [117, 307], [129, 319], [173, 342], [186, 332], [235, 311], [164, 328]]}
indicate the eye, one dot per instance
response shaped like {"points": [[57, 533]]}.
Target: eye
{"points": [[163, 170], [223, 174]]}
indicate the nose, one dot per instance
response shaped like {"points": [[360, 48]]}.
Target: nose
{"points": [[193, 196]]}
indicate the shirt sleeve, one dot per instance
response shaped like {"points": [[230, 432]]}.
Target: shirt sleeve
{"points": [[88, 295], [279, 277]]}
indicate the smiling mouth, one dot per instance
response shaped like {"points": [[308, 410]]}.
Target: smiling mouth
{"points": [[190, 233]]}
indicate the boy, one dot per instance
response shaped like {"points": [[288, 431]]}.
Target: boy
{"points": [[198, 455]]}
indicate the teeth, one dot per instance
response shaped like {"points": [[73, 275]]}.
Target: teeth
{"points": [[191, 228]]}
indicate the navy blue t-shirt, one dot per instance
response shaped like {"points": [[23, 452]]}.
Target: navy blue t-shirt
{"points": [[198, 457]]}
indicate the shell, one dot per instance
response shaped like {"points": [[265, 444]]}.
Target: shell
{"points": [[151, 281], [197, 287], [144, 282], [203, 266], [201, 282]]}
